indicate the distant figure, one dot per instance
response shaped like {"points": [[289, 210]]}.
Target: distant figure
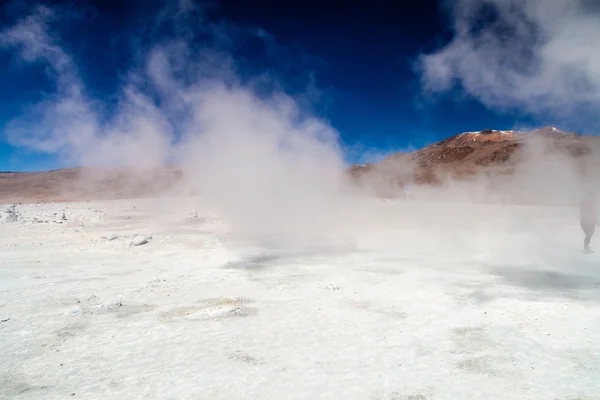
{"points": [[589, 219], [407, 191]]}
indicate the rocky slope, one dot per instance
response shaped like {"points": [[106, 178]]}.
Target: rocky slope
{"points": [[73, 184], [471, 154], [535, 156]]}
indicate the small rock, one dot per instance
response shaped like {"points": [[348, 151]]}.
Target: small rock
{"points": [[111, 306], [76, 310], [139, 240]]}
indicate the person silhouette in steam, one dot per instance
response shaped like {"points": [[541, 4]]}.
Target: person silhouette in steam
{"points": [[588, 219]]}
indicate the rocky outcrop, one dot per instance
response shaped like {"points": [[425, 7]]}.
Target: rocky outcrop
{"points": [[489, 153]]}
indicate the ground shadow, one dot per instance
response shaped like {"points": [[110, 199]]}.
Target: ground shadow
{"points": [[255, 263], [534, 282], [541, 280], [279, 257]]}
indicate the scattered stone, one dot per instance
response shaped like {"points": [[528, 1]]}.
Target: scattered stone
{"points": [[12, 215], [110, 238], [239, 311], [5, 319], [75, 310], [139, 240], [332, 287], [111, 306]]}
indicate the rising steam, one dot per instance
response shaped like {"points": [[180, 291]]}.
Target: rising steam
{"points": [[244, 144]]}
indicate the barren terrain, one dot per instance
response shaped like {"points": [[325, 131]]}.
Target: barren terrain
{"points": [[134, 299], [496, 157], [73, 184]]}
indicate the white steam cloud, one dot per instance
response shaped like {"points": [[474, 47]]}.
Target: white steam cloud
{"points": [[537, 56], [266, 165], [69, 123]]}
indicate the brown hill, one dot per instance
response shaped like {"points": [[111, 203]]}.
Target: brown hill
{"points": [[490, 153], [74, 184], [536, 156]]}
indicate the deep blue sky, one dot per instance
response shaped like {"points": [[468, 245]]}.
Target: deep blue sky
{"points": [[362, 54]]}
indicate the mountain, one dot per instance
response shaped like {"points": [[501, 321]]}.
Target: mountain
{"points": [[82, 183], [532, 166], [491, 153]]}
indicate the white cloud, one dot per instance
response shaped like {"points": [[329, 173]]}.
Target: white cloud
{"points": [[539, 56], [268, 167]]}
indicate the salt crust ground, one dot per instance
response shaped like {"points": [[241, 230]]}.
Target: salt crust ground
{"points": [[477, 303]]}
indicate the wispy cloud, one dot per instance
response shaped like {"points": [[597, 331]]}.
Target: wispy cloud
{"points": [[538, 56], [258, 155]]}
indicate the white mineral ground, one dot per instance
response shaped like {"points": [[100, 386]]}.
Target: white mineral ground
{"points": [[424, 302]]}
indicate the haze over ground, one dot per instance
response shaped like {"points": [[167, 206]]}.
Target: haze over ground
{"points": [[250, 126], [373, 72], [266, 272]]}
